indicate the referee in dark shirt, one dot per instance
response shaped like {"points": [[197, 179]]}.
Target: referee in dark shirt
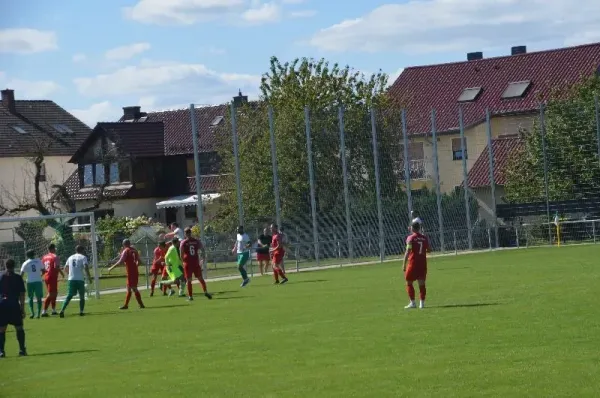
{"points": [[12, 306]]}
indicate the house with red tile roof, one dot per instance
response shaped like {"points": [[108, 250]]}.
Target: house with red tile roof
{"points": [[511, 87], [144, 164], [29, 128]]}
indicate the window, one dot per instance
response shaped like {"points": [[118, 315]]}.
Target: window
{"points": [[119, 172], [99, 178], [88, 175], [469, 94], [19, 129], [457, 153], [43, 172], [190, 212], [516, 89], [216, 121], [63, 129]]}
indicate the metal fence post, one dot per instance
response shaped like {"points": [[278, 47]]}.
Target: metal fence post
{"points": [[488, 125], [594, 230], [436, 171], [597, 111], [455, 248], [543, 132], [345, 179], [377, 186], [489, 238], [93, 238], [147, 263], [199, 205], [311, 177], [236, 158], [517, 234], [463, 148], [406, 165], [275, 168]]}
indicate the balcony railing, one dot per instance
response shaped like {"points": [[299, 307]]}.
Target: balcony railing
{"points": [[418, 170]]}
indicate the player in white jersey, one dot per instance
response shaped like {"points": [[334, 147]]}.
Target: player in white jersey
{"points": [[77, 266], [33, 269]]}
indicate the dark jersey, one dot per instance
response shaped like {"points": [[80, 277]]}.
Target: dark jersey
{"points": [[266, 241], [11, 287]]}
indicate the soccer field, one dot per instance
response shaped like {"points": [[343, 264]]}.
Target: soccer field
{"points": [[498, 324]]}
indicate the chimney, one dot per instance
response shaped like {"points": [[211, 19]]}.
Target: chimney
{"points": [[240, 99], [474, 56], [8, 100], [516, 50], [131, 112]]}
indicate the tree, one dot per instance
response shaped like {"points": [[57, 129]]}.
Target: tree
{"points": [[323, 88], [571, 150]]}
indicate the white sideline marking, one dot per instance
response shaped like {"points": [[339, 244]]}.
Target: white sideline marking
{"points": [[326, 267]]}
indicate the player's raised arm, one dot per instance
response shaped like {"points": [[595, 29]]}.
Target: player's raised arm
{"points": [[120, 262], [407, 253]]}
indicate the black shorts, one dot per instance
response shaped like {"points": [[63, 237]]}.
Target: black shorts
{"points": [[10, 314]]}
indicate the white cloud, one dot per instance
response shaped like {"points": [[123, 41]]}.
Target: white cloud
{"points": [[169, 83], [461, 25], [293, 1], [28, 89], [303, 13], [99, 112], [394, 76], [262, 13], [27, 41], [79, 57], [182, 12], [126, 52]]}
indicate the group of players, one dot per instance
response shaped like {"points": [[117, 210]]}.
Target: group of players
{"points": [[177, 262]]}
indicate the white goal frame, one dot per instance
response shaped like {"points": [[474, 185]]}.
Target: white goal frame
{"points": [[93, 237]]}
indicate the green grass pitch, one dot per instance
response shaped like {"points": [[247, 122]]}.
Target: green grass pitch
{"points": [[520, 323]]}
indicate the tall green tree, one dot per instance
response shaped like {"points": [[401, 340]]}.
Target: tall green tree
{"points": [[571, 150]]}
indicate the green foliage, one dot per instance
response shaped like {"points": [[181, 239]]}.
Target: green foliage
{"points": [[322, 87], [111, 229], [571, 150]]}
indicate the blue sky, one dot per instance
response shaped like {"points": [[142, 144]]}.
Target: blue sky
{"points": [[93, 57]]}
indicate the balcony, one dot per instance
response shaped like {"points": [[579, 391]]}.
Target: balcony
{"points": [[418, 170]]}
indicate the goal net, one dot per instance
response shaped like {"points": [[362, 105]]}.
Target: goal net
{"points": [[66, 231]]}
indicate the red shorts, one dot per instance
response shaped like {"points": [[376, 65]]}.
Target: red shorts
{"points": [[52, 285], [415, 273], [277, 257], [157, 270], [263, 257], [132, 280], [192, 271]]}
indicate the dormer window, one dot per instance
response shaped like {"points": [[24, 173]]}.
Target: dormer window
{"points": [[470, 94], [516, 89]]}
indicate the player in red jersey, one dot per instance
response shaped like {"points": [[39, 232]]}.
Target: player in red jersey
{"points": [[131, 259], [190, 250], [277, 253], [415, 264], [51, 272], [158, 265]]}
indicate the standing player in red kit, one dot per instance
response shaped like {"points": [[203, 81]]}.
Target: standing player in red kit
{"points": [[131, 259], [51, 272], [189, 250], [277, 253], [158, 266], [415, 264]]}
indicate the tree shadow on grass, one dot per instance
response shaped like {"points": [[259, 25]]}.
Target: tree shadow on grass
{"points": [[233, 297], [42, 354], [473, 305]]}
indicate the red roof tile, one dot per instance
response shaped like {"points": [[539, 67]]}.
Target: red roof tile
{"points": [[423, 88], [134, 139], [178, 128], [210, 183], [502, 149]]}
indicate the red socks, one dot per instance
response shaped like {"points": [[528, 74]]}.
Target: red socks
{"points": [[127, 298], [47, 303], [411, 292], [422, 292], [203, 284], [138, 297], [189, 288], [152, 285]]}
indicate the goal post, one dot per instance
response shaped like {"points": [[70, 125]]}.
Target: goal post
{"points": [[66, 231]]}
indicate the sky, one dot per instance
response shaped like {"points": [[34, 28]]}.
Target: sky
{"points": [[94, 57]]}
